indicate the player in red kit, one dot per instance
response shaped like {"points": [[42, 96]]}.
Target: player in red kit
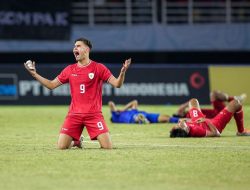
{"points": [[217, 99], [199, 126], [85, 78]]}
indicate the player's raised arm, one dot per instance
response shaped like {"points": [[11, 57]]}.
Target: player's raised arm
{"points": [[213, 132], [131, 105], [118, 82], [31, 68]]}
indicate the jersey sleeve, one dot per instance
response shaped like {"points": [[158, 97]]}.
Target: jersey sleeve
{"points": [[63, 77], [105, 73]]}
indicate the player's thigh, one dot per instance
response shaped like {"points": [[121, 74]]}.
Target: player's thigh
{"points": [[73, 126], [64, 141], [95, 125], [222, 119]]}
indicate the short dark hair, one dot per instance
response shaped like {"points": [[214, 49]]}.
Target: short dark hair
{"points": [[85, 41], [178, 132]]}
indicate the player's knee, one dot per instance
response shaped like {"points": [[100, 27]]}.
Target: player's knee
{"points": [[236, 104], [135, 103], [193, 101], [213, 95], [62, 146], [107, 146], [105, 141], [111, 103], [163, 118]]}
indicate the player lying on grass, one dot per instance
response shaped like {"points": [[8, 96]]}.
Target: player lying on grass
{"points": [[130, 114], [85, 78], [199, 126], [217, 99]]}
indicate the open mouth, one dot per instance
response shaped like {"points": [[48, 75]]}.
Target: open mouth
{"points": [[77, 54]]}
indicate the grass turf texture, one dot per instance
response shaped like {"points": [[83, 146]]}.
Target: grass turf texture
{"points": [[144, 156]]}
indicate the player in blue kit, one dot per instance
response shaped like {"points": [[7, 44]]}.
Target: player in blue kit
{"points": [[131, 114]]}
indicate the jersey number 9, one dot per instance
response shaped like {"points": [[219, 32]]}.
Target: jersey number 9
{"points": [[82, 88]]}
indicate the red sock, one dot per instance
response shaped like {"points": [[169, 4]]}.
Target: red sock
{"points": [[77, 143], [238, 116]]}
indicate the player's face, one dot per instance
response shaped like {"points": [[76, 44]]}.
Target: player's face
{"points": [[81, 51], [182, 125]]}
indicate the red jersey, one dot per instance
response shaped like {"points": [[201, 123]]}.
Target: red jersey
{"points": [[199, 129], [196, 129], [85, 86]]}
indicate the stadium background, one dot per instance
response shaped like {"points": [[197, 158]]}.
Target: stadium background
{"points": [[180, 48]]}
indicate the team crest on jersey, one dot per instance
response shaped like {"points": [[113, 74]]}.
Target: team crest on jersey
{"points": [[91, 75]]}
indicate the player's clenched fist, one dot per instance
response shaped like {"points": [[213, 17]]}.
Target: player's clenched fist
{"points": [[126, 65], [30, 66]]}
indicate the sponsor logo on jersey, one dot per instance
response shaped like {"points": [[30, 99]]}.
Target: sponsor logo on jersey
{"points": [[91, 75], [75, 75]]}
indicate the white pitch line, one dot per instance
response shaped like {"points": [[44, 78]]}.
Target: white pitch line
{"points": [[91, 142], [169, 145]]}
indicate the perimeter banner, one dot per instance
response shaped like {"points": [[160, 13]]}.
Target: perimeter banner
{"points": [[233, 80], [147, 84], [39, 19]]}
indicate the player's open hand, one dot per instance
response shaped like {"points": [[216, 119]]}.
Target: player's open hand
{"points": [[126, 65], [30, 66]]}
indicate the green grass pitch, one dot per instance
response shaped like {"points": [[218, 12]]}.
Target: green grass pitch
{"points": [[144, 156]]}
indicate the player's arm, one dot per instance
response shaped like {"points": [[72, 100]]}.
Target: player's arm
{"points": [[50, 84], [118, 82], [182, 110], [213, 132], [194, 103], [133, 104], [112, 106]]}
